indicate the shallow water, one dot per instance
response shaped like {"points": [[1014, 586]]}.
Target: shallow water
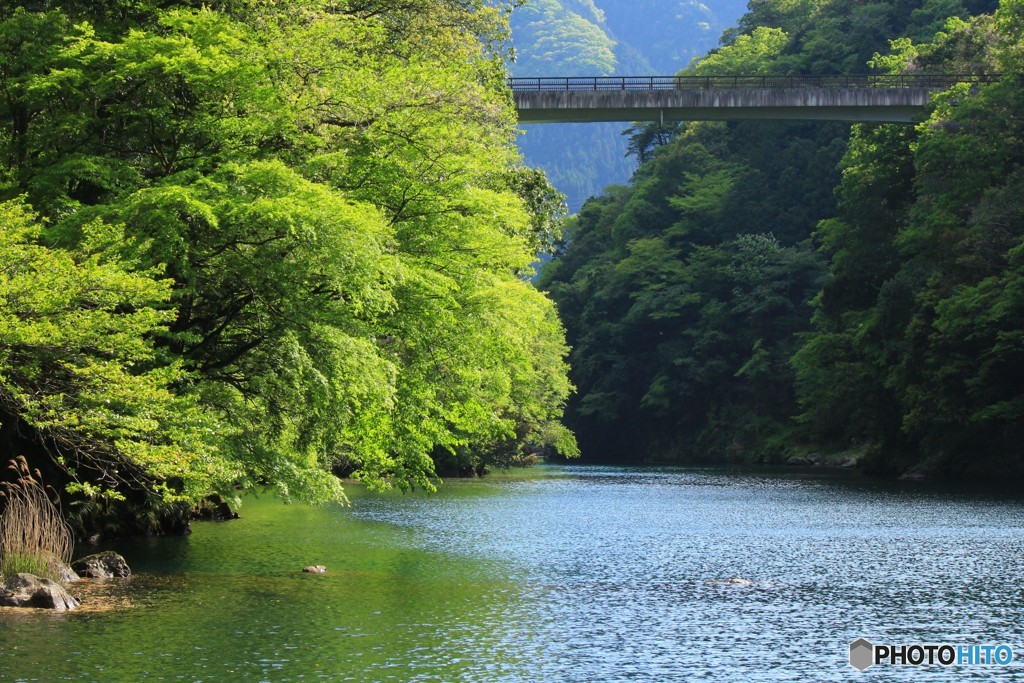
{"points": [[555, 574]]}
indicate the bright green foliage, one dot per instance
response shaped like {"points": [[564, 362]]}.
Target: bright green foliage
{"points": [[79, 366], [840, 37], [748, 55], [332, 194]]}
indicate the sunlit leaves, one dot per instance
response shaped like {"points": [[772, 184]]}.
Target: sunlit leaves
{"points": [[78, 362], [327, 199], [749, 55]]}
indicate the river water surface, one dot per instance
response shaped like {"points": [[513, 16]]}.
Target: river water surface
{"points": [[555, 574]]}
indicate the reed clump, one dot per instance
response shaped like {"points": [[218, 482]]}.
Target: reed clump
{"points": [[34, 538]]}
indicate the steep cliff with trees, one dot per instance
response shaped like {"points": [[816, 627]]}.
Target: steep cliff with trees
{"points": [[765, 288], [255, 242], [922, 316]]}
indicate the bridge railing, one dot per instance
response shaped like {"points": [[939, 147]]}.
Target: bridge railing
{"points": [[563, 83]]}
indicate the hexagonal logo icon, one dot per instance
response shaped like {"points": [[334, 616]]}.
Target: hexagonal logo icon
{"points": [[862, 654]]}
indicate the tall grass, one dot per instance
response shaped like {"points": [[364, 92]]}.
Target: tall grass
{"points": [[34, 537]]}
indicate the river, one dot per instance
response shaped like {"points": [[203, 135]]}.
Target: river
{"points": [[556, 574]]}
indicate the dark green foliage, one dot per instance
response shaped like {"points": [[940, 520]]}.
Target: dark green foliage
{"points": [[688, 296], [682, 319], [922, 312]]}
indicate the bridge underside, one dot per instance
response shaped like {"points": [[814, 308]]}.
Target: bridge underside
{"points": [[887, 105]]}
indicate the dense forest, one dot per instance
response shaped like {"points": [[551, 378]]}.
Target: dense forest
{"points": [[252, 242], [765, 291], [604, 38]]}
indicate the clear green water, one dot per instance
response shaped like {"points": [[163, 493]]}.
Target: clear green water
{"points": [[558, 574]]}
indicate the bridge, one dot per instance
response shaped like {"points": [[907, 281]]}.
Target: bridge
{"points": [[876, 97]]}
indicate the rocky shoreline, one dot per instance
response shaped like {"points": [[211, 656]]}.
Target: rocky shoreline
{"points": [[30, 591]]}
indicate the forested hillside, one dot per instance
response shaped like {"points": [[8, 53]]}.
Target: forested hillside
{"points": [[255, 242], [603, 38], [765, 289]]}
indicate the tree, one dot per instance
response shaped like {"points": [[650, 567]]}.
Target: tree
{"points": [[703, 321], [748, 55], [343, 233], [920, 314], [81, 376]]}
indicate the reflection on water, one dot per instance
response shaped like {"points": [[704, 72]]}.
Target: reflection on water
{"points": [[561, 574]]}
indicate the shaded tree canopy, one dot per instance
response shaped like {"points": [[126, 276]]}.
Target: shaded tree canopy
{"points": [[765, 289]]}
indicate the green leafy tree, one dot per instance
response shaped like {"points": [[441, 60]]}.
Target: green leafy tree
{"points": [[911, 313], [702, 320], [81, 374], [748, 55], [342, 224]]}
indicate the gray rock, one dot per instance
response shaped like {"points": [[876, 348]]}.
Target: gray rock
{"points": [[67, 574], [105, 565], [798, 461], [315, 569], [27, 590]]}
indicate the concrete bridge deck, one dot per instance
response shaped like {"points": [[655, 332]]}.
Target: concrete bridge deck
{"points": [[880, 98]]}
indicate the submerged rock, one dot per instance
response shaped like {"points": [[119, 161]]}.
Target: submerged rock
{"points": [[746, 583], [315, 569], [732, 582], [28, 590], [105, 565]]}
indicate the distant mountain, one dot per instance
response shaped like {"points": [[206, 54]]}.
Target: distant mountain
{"points": [[603, 38]]}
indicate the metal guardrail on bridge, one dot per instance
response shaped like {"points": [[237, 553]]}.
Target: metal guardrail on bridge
{"points": [[604, 83]]}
